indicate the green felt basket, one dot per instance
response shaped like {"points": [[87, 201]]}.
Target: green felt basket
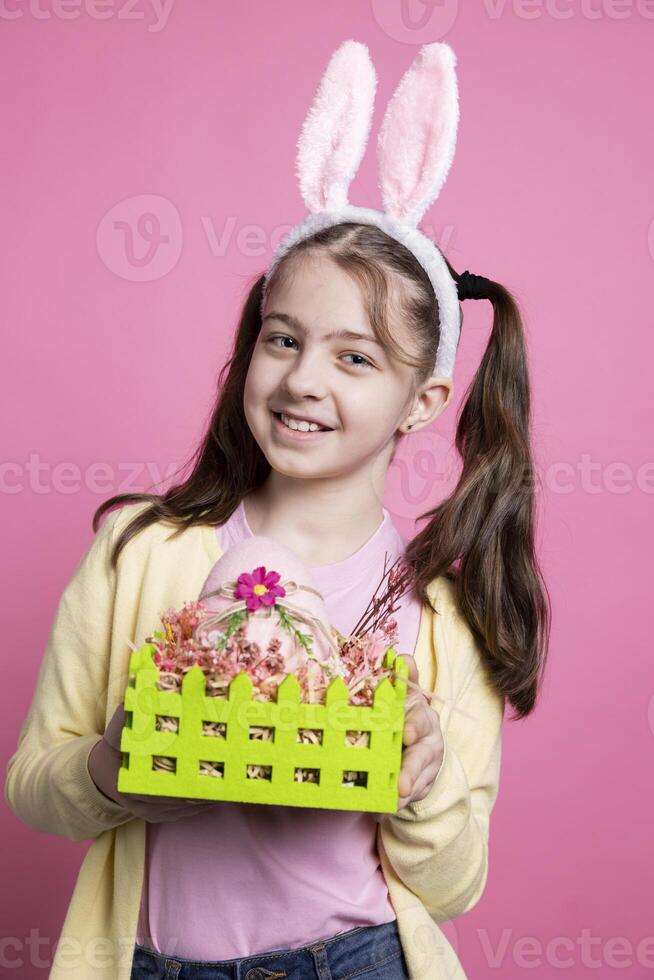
{"points": [[190, 754]]}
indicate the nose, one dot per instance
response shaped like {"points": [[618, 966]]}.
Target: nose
{"points": [[305, 378]]}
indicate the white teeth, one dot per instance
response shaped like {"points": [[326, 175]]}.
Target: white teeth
{"points": [[301, 426]]}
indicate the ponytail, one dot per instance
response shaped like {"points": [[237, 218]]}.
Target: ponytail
{"points": [[482, 536]]}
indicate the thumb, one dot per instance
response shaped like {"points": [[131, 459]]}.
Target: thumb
{"points": [[413, 666], [115, 727]]}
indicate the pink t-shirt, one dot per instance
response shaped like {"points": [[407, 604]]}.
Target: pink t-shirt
{"points": [[247, 878]]}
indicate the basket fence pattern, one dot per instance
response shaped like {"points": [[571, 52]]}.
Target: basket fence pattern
{"points": [[194, 758]]}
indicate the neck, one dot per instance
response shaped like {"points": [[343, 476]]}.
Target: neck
{"points": [[320, 522]]}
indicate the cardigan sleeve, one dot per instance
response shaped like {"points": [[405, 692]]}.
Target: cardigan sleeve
{"points": [[47, 783], [438, 846]]}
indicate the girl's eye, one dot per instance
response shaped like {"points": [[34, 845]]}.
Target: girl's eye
{"points": [[270, 340], [364, 365]]}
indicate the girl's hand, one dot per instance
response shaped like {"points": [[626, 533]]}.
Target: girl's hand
{"points": [[105, 759], [421, 760]]}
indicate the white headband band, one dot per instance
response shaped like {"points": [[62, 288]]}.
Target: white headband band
{"points": [[415, 149]]}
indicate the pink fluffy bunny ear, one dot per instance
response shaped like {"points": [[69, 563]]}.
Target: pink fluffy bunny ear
{"points": [[417, 138], [336, 127]]}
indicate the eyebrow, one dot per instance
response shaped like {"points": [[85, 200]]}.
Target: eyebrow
{"points": [[292, 321]]}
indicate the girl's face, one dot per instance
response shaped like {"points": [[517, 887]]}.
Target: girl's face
{"points": [[304, 365]]}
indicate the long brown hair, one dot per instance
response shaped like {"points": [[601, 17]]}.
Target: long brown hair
{"points": [[481, 537]]}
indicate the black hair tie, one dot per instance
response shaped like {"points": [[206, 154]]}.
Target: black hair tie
{"points": [[469, 286]]}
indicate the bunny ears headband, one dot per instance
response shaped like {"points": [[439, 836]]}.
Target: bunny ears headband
{"points": [[415, 149]]}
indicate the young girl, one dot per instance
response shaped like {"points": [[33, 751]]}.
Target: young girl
{"points": [[343, 331]]}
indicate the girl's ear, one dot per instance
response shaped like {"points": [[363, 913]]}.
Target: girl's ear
{"points": [[417, 138], [336, 128]]}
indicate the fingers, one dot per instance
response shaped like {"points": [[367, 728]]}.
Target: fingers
{"points": [[418, 723], [167, 802], [414, 763], [404, 787], [416, 779], [154, 812], [420, 758], [113, 731], [164, 800], [421, 787], [413, 666], [414, 697]]}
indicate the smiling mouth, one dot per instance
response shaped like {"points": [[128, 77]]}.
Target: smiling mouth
{"points": [[300, 432]]}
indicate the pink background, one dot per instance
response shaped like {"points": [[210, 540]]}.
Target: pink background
{"points": [[115, 339]]}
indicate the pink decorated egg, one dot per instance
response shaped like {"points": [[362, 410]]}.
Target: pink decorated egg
{"points": [[263, 577]]}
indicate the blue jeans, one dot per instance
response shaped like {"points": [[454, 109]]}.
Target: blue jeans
{"points": [[371, 951]]}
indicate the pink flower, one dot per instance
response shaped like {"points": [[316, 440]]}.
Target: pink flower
{"points": [[259, 588]]}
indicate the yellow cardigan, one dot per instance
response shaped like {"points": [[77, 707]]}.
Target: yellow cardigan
{"points": [[433, 853]]}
